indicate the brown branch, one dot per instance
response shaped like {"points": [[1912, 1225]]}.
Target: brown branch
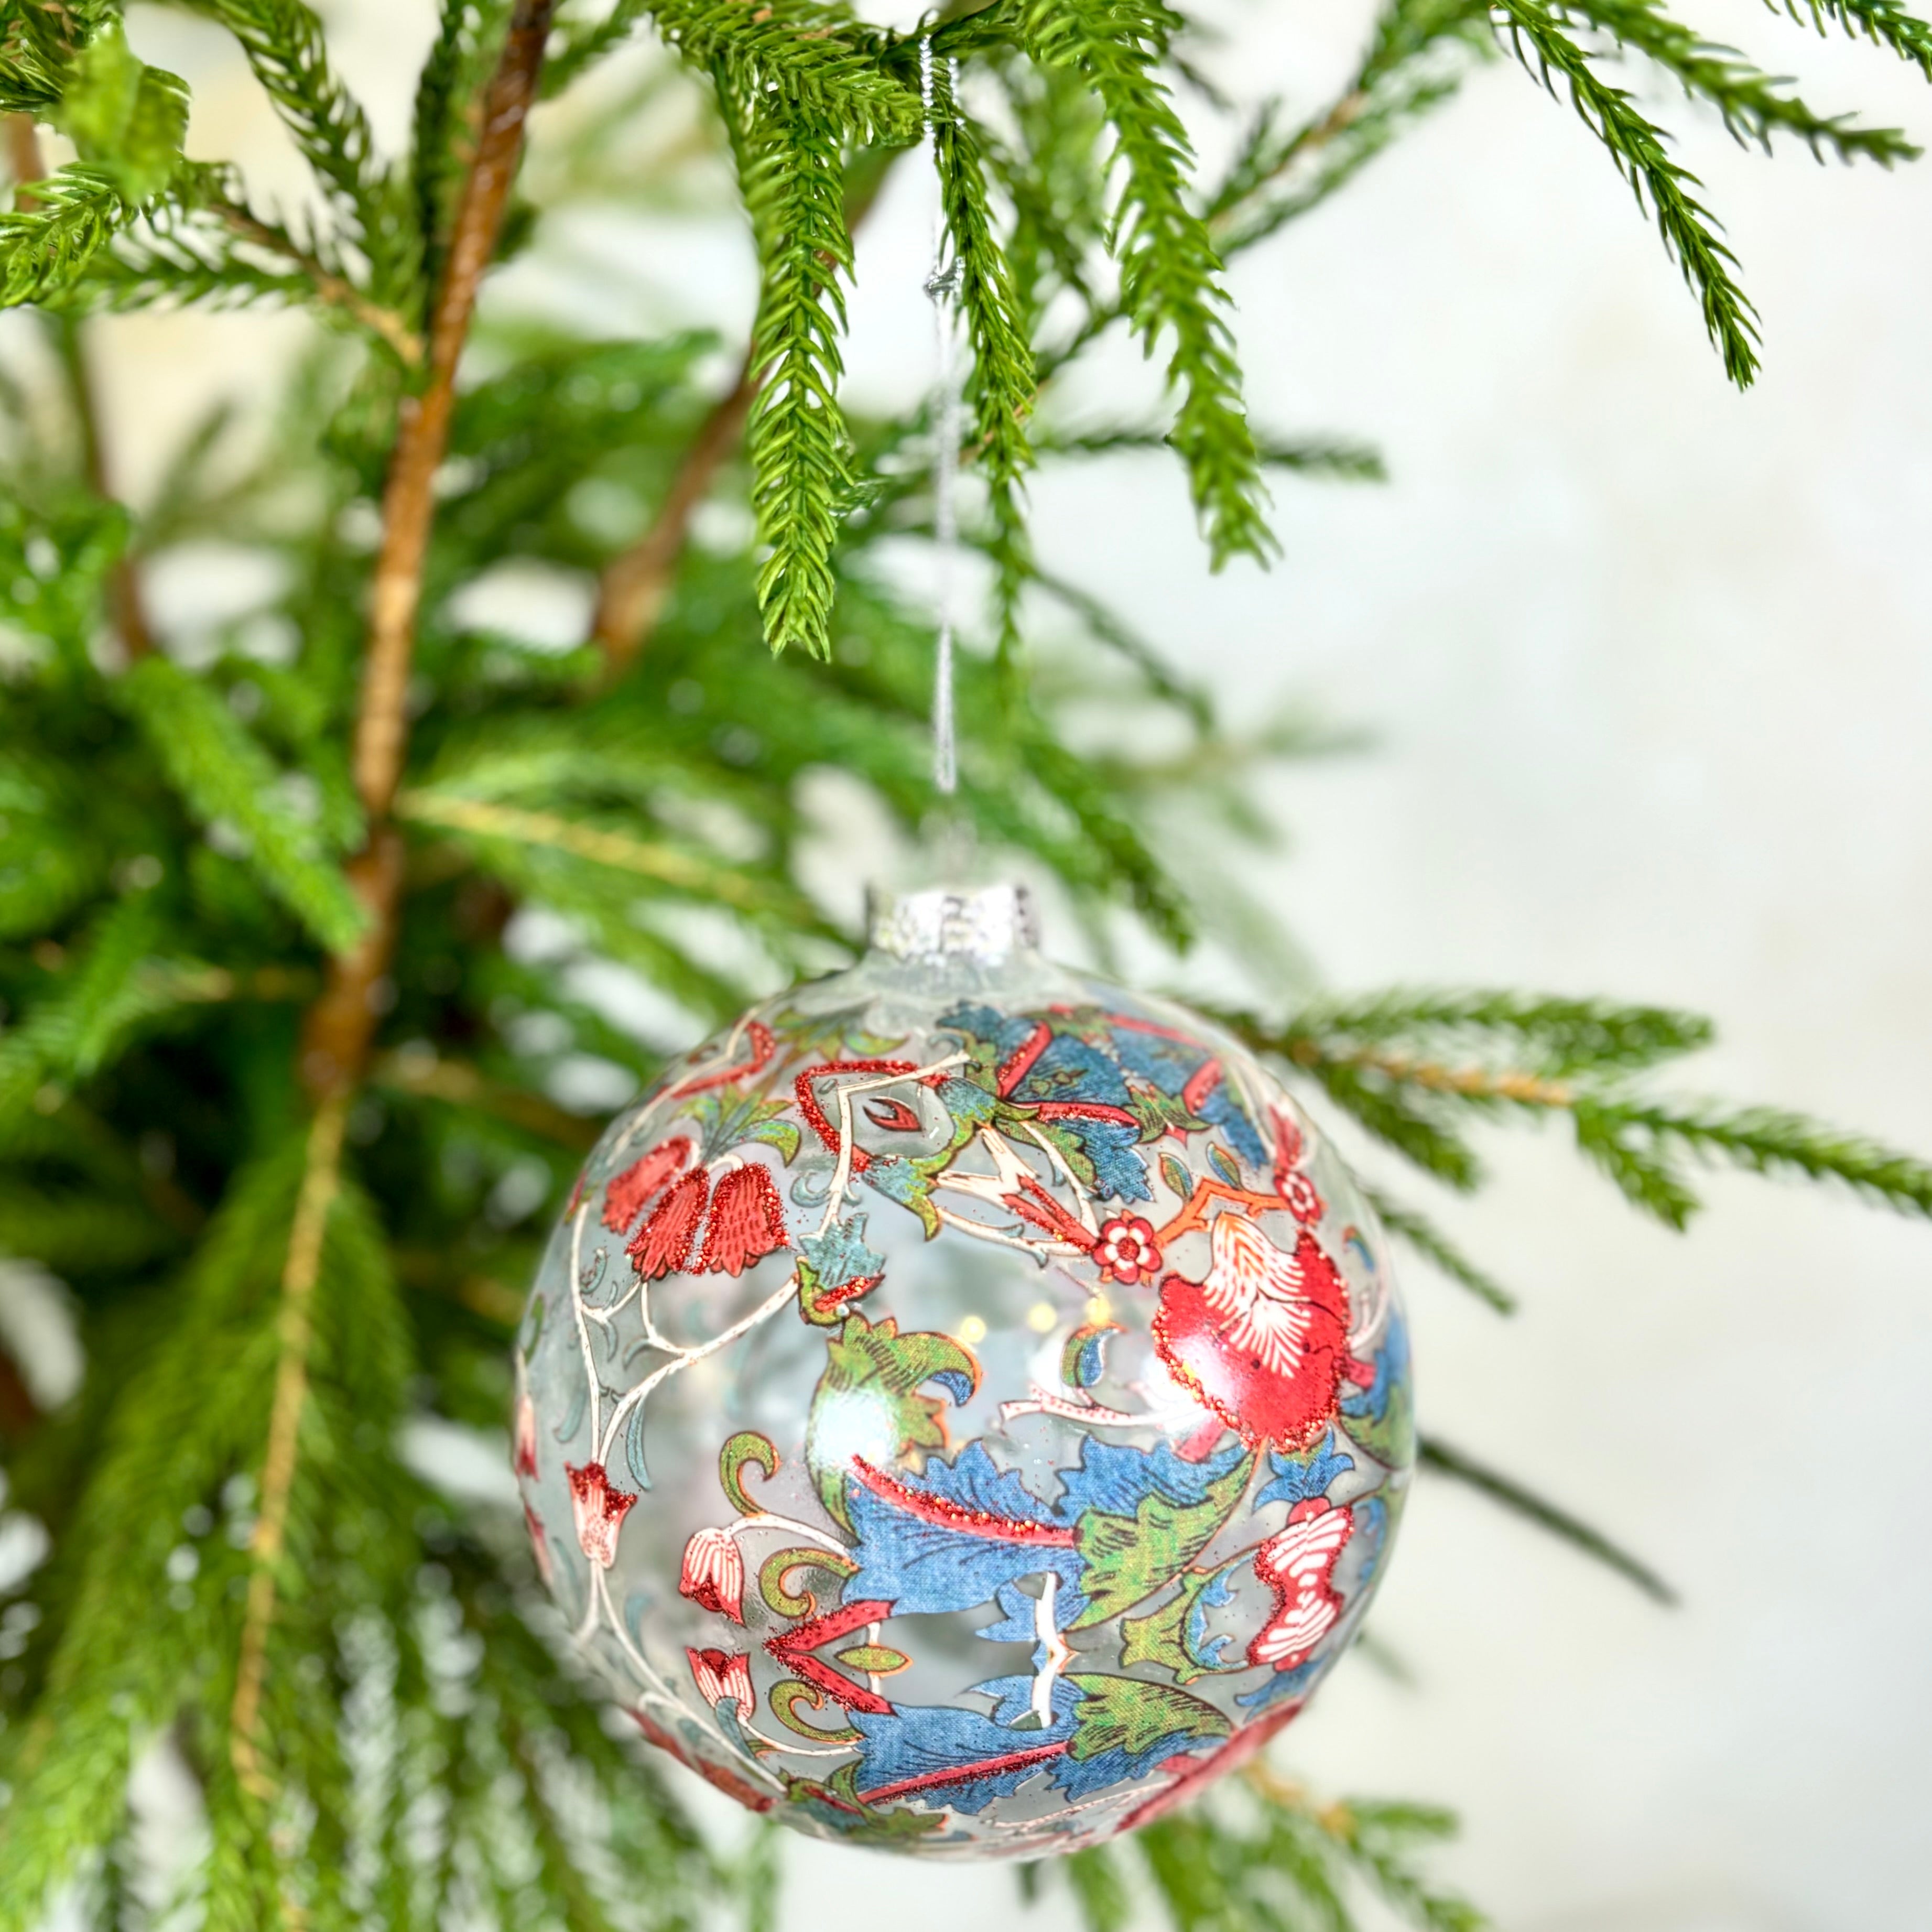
{"points": [[322, 1174], [26, 165], [337, 291], [423, 436], [337, 1029], [1467, 1083], [636, 583]]}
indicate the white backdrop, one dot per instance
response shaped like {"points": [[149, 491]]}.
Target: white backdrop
{"points": [[1651, 667]]}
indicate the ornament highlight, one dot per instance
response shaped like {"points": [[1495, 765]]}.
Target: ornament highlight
{"points": [[965, 1407]]}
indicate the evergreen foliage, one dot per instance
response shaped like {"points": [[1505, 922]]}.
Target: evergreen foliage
{"points": [[296, 1060]]}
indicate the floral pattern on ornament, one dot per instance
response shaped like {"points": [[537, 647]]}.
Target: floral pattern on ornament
{"points": [[1166, 1478]]}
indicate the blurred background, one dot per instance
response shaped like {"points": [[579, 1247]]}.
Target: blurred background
{"points": [[1645, 668]]}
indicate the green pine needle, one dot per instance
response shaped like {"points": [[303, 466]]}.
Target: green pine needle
{"points": [[1636, 145], [1170, 275], [1435, 1454], [226, 780], [1428, 1241]]}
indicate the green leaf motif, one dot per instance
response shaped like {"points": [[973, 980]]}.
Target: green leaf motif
{"points": [[868, 1401], [1126, 1559], [879, 1659], [1160, 1637], [1128, 1713]]}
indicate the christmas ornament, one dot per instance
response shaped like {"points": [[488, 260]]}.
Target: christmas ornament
{"points": [[965, 1406]]}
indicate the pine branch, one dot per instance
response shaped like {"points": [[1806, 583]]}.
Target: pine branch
{"points": [[1753, 105], [633, 588], [1558, 1035], [1002, 391], [226, 778], [790, 168], [1631, 1140], [1667, 191], [1437, 1455], [1423, 1236], [287, 49], [794, 57], [663, 863], [1170, 275], [1311, 456], [294, 1327], [1884, 23], [1416, 60]]}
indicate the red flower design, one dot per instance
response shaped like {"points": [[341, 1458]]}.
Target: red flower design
{"points": [[713, 1573], [1299, 1197], [597, 1509], [1263, 1341], [663, 1245], [720, 1674], [524, 1457], [747, 1222], [626, 1194], [1299, 1567], [1298, 1191], [1125, 1249]]}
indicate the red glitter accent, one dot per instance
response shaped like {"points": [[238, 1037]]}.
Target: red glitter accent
{"points": [[625, 1195], [794, 1647], [598, 1510], [1037, 1206], [1235, 1752], [965, 1774], [1019, 1063], [663, 1245], [1290, 1406], [763, 1047], [942, 1510], [807, 1101], [1298, 1566], [747, 1222], [825, 1299], [1081, 1110], [1127, 1023], [1200, 1083]]}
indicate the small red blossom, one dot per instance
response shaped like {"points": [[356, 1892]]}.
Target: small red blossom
{"points": [[747, 1222], [524, 1459], [597, 1509], [1125, 1249], [1299, 1567], [627, 1194], [720, 1674], [1299, 1197], [663, 1245], [712, 1575]]}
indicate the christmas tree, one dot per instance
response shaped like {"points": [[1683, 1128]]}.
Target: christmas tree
{"points": [[288, 1093]]}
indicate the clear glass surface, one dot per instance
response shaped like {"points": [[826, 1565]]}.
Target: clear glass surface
{"points": [[965, 1405]]}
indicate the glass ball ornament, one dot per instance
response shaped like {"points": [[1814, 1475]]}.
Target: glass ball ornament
{"points": [[965, 1405]]}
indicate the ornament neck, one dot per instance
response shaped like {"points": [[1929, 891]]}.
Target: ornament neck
{"points": [[981, 925]]}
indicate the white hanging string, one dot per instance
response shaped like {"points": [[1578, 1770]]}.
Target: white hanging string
{"points": [[942, 285]]}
